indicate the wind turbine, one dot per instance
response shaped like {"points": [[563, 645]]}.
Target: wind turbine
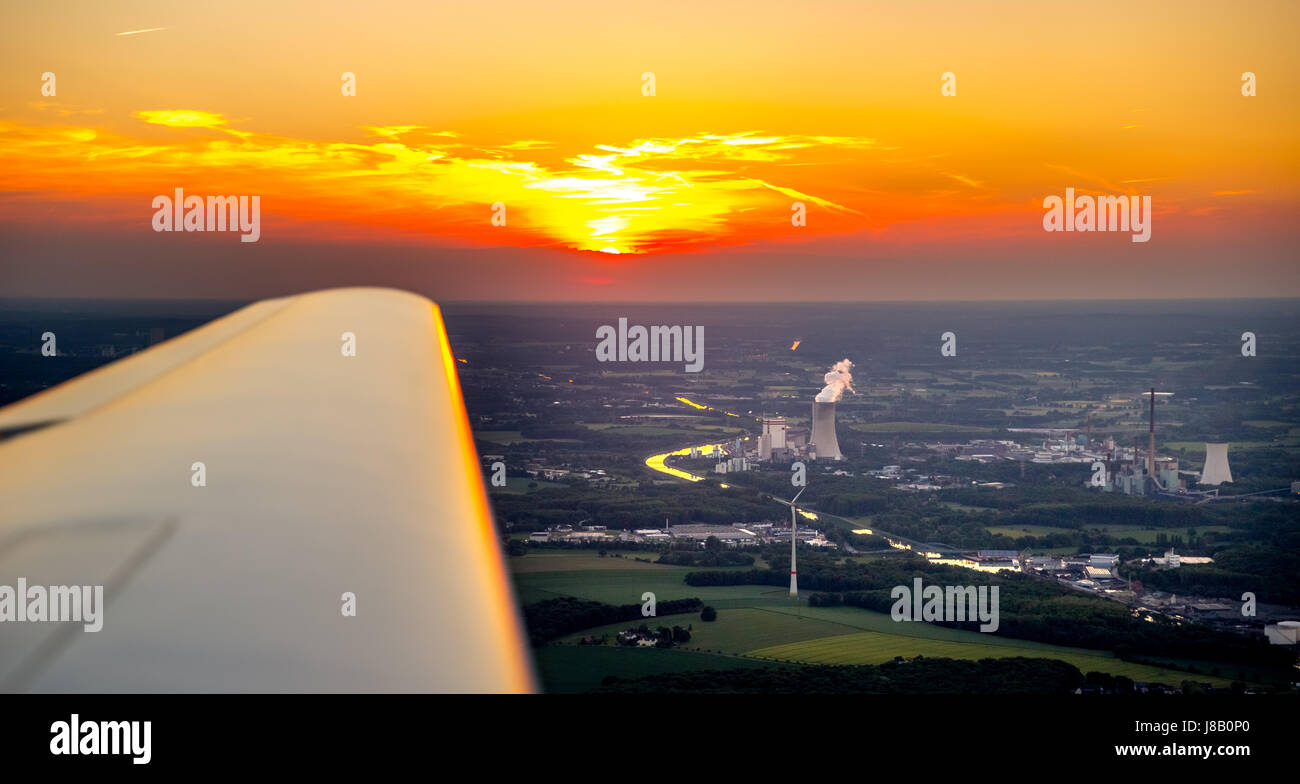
{"points": [[794, 529]]}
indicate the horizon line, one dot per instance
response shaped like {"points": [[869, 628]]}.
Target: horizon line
{"points": [[440, 302]]}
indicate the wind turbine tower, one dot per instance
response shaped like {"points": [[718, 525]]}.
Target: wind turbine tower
{"points": [[794, 539]]}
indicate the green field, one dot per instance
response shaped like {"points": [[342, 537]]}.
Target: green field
{"points": [[588, 560], [965, 507], [733, 633], [758, 624], [877, 648], [917, 427], [513, 437], [519, 484], [625, 586], [500, 436], [1195, 448], [708, 431], [631, 431]]}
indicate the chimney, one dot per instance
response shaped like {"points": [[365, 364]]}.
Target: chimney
{"points": [[1151, 437]]}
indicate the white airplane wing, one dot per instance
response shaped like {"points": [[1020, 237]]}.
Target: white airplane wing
{"points": [[326, 477]]}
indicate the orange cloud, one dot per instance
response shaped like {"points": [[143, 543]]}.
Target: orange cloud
{"points": [[644, 196], [182, 118]]}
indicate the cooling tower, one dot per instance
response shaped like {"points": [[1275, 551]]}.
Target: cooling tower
{"points": [[823, 432], [1216, 469]]}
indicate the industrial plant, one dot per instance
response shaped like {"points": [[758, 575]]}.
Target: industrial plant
{"points": [[780, 443], [1160, 476], [1129, 470]]}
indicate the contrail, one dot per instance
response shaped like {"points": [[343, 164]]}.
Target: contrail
{"points": [[147, 30]]}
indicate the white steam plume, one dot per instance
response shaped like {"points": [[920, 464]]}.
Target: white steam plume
{"points": [[838, 379]]}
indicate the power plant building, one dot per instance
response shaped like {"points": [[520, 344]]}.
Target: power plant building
{"points": [[1149, 476], [1134, 478], [772, 443], [732, 465], [774, 428]]}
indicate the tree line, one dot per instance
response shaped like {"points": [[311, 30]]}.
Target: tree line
{"points": [[551, 619], [1018, 675]]}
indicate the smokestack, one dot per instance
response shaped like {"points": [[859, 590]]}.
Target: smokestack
{"points": [[823, 431], [1151, 437]]}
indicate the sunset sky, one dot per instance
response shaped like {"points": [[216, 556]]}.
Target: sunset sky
{"points": [[910, 195]]}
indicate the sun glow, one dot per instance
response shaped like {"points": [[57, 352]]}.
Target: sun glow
{"points": [[646, 196]]}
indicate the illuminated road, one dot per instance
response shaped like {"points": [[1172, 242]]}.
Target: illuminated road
{"points": [[656, 462]]}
